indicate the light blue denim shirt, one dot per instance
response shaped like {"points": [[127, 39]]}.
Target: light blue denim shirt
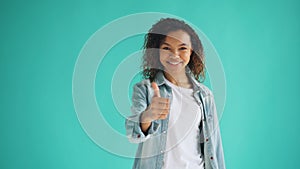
{"points": [[151, 149]]}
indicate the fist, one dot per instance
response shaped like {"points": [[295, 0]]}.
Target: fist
{"points": [[159, 107]]}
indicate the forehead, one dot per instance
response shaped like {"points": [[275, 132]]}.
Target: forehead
{"points": [[178, 37]]}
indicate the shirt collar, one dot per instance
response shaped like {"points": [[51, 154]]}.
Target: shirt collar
{"points": [[197, 86]]}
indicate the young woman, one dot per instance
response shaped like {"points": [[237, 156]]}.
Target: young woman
{"points": [[174, 118]]}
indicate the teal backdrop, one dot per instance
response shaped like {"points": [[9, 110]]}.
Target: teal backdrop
{"points": [[257, 41]]}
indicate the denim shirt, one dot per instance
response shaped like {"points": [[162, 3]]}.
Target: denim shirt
{"points": [[151, 148]]}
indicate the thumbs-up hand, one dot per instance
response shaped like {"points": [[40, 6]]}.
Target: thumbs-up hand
{"points": [[158, 109], [156, 89]]}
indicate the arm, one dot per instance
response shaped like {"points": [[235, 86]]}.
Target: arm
{"points": [[217, 135], [136, 131]]}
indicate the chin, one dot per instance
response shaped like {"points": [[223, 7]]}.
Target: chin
{"points": [[174, 70]]}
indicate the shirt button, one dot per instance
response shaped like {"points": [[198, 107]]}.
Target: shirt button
{"points": [[164, 132], [161, 151], [211, 158], [207, 139], [138, 135]]}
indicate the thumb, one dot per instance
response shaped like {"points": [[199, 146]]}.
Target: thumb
{"points": [[156, 89]]}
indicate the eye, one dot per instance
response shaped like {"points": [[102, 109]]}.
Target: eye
{"points": [[182, 48], [166, 48]]}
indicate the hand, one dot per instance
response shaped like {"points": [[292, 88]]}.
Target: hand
{"points": [[158, 109]]}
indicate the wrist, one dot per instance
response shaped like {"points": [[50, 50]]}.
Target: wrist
{"points": [[144, 118]]}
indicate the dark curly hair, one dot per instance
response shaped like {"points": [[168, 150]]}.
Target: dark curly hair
{"points": [[156, 36]]}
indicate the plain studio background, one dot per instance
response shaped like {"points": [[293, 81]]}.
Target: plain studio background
{"points": [[257, 41]]}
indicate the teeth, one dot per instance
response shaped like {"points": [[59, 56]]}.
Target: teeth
{"points": [[174, 63]]}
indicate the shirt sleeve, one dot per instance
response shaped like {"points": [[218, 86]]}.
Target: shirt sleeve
{"points": [[132, 124], [217, 135]]}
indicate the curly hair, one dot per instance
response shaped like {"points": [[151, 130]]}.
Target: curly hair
{"points": [[156, 36]]}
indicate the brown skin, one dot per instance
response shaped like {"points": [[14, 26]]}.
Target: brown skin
{"points": [[158, 109], [176, 48], [174, 56], [156, 37]]}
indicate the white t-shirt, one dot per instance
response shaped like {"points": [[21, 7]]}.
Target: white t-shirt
{"points": [[182, 149]]}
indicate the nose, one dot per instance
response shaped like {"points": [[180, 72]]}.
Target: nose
{"points": [[174, 53]]}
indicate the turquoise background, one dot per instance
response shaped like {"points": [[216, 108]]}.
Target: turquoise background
{"points": [[258, 43]]}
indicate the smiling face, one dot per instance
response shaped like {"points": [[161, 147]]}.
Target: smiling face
{"points": [[175, 52]]}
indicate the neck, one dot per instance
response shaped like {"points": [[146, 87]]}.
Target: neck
{"points": [[178, 79]]}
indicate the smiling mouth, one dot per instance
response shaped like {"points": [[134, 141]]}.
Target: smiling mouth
{"points": [[173, 63]]}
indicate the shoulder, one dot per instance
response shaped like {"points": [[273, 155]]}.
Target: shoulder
{"points": [[205, 91], [142, 87], [142, 84], [200, 87]]}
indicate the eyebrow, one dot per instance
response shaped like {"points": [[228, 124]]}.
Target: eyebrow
{"points": [[183, 44]]}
